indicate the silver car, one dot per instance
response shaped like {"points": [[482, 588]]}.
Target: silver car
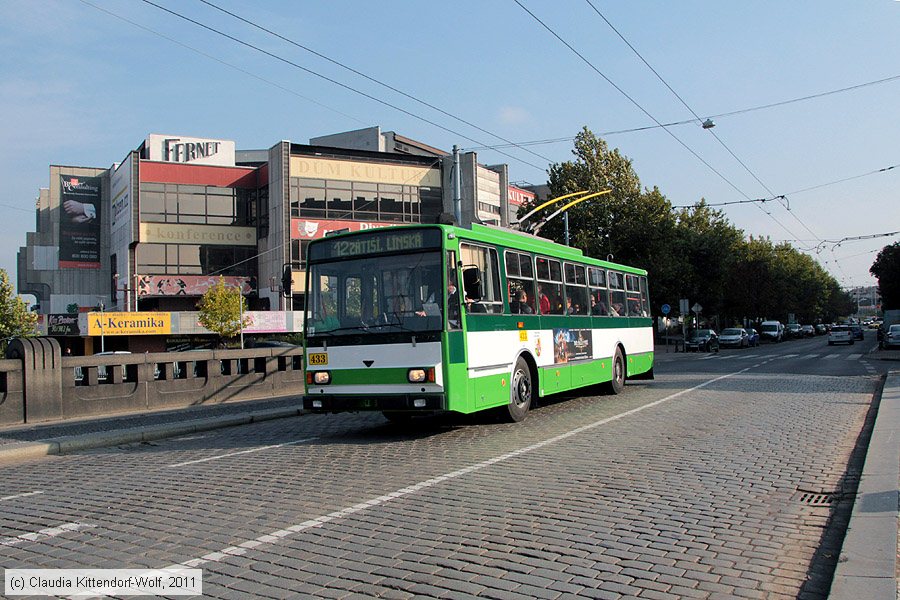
{"points": [[891, 337], [734, 337], [840, 334]]}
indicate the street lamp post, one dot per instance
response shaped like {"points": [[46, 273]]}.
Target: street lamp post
{"points": [[241, 307], [102, 339]]}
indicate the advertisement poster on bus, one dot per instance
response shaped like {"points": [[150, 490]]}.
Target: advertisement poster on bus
{"points": [[571, 344], [79, 223]]}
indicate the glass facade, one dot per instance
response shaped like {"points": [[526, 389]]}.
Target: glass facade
{"points": [[197, 205], [356, 201]]}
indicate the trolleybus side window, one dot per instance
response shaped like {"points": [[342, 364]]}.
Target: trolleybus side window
{"points": [[481, 279], [633, 296], [599, 298], [452, 292], [616, 294], [550, 292], [576, 292], [520, 280], [645, 297]]}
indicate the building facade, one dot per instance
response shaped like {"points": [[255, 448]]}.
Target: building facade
{"points": [[153, 232]]}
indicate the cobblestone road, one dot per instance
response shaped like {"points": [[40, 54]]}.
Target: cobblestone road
{"points": [[713, 481]]}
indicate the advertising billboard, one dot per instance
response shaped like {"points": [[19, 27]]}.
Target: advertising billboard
{"points": [[311, 229], [129, 323], [189, 285], [79, 222]]}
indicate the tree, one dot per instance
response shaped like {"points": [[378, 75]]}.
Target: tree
{"points": [[635, 227], [886, 269], [15, 318], [693, 253], [221, 308]]}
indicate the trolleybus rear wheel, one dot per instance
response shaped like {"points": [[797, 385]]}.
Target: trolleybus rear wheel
{"points": [[520, 392], [617, 383]]}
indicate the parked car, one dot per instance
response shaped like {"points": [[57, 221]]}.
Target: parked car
{"points": [[840, 334], [702, 340], [772, 331], [857, 331], [891, 337], [101, 369], [752, 337], [808, 331], [792, 330], [821, 329], [734, 337]]}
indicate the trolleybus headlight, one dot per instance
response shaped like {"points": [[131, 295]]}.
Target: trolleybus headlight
{"points": [[420, 375], [321, 377]]}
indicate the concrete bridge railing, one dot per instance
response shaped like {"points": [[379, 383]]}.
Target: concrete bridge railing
{"points": [[38, 384]]}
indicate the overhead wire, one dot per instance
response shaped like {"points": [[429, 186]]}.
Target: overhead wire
{"points": [[329, 79], [509, 143], [643, 110], [782, 198], [219, 60], [698, 121]]}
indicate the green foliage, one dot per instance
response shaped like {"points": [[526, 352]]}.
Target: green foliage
{"points": [[693, 253], [220, 310], [15, 318], [886, 269]]}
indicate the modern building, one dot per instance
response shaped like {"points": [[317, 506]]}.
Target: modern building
{"points": [[152, 233]]}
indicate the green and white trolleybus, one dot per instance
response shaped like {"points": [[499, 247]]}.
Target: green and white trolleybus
{"points": [[418, 319]]}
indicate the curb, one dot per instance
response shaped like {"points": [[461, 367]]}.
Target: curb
{"points": [[867, 567], [75, 443]]}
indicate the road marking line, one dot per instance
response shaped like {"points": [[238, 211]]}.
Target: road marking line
{"points": [[831, 356], [790, 356], [811, 356], [854, 357], [44, 534], [20, 496], [273, 537], [217, 457]]}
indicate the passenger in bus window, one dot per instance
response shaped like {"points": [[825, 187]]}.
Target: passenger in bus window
{"points": [[544, 301], [520, 304], [616, 310], [598, 308], [634, 308]]}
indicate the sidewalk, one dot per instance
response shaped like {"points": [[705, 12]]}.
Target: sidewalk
{"points": [[33, 441]]}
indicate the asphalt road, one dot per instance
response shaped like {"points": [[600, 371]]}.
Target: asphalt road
{"points": [[727, 476]]}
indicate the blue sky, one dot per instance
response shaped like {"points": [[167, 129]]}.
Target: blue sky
{"points": [[82, 87]]}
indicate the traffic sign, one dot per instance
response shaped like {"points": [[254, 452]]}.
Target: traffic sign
{"points": [[696, 307], [683, 306], [666, 309]]}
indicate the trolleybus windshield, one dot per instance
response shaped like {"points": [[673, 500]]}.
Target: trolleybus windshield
{"points": [[373, 295]]}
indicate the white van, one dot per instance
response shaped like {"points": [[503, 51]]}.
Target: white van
{"points": [[771, 330]]}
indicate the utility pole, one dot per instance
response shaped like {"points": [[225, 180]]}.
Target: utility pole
{"points": [[457, 187]]}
